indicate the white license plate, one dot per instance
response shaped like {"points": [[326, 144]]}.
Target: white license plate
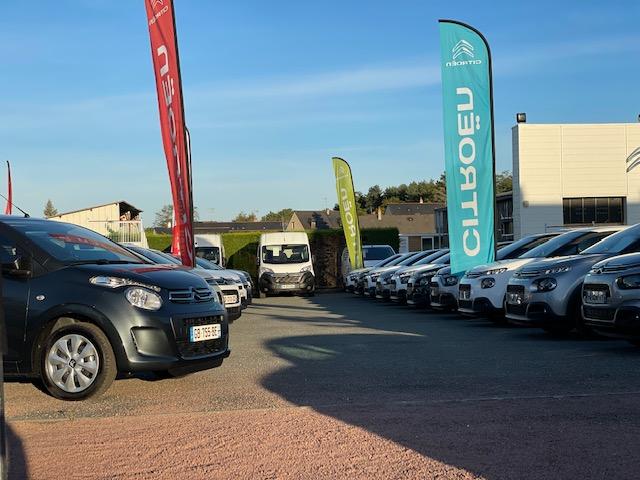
{"points": [[591, 296], [287, 286], [201, 333], [230, 299], [515, 298]]}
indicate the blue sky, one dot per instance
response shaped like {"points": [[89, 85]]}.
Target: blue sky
{"points": [[274, 89]]}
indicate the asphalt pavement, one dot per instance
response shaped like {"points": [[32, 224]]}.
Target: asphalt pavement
{"points": [[338, 386]]}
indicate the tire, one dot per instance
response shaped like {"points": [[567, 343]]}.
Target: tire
{"points": [[82, 344]]}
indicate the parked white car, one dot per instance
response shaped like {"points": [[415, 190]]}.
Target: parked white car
{"points": [[482, 291], [401, 278]]}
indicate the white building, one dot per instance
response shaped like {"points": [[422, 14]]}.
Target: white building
{"points": [[570, 175], [120, 221]]}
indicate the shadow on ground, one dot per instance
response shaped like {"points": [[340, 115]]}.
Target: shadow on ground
{"points": [[499, 402]]}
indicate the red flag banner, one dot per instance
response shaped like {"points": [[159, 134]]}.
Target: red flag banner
{"points": [[164, 51], [8, 208]]}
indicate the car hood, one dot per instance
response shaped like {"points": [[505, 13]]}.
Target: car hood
{"points": [[382, 270], [510, 264], [171, 277], [422, 268], [621, 262], [575, 261], [226, 274]]}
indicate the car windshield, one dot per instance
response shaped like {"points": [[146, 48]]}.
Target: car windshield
{"points": [[377, 253], [411, 259], [549, 248], [154, 256], [207, 265], [626, 241], [388, 261], [432, 258], [284, 254], [522, 246], [72, 244], [209, 253]]}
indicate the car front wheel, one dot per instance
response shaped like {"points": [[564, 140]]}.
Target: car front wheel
{"points": [[77, 362]]}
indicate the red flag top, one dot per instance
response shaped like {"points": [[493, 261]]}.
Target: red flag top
{"points": [[164, 51]]}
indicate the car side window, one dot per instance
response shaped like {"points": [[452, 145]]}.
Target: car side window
{"points": [[590, 240]]}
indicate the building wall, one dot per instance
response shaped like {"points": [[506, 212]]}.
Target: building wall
{"points": [[93, 218], [552, 162]]}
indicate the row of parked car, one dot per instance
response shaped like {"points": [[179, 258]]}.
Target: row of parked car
{"points": [[80, 309], [585, 279]]}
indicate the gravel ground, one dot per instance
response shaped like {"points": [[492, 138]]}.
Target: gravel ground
{"points": [[341, 387]]}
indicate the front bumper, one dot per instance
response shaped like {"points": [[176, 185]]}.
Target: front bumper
{"points": [[417, 295], [278, 284], [442, 298], [161, 342], [398, 292], [617, 312]]}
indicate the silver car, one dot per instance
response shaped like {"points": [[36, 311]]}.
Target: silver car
{"points": [[611, 297], [548, 293]]}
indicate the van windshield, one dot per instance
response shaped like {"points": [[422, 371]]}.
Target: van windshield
{"points": [[72, 244], [209, 253], [281, 254]]}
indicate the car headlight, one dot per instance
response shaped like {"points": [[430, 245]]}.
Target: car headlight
{"points": [[545, 284], [305, 269], [450, 281], [268, 271], [404, 278], [496, 271], [487, 283], [630, 282], [117, 282], [554, 270], [143, 298]]}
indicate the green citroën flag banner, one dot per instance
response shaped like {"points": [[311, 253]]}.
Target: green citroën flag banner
{"points": [[468, 144], [348, 211]]}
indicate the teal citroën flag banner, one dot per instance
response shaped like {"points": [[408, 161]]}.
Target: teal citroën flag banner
{"points": [[468, 144], [348, 211]]}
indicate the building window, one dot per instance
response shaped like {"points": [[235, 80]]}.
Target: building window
{"points": [[590, 210]]}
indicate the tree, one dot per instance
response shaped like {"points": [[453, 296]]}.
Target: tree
{"points": [[504, 182], [245, 217], [50, 210], [283, 215], [374, 198], [164, 218]]}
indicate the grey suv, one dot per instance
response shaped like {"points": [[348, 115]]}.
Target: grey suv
{"points": [[611, 297], [548, 293]]}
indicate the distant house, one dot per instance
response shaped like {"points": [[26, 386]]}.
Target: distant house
{"points": [[119, 221], [417, 208], [416, 231], [314, 220]]}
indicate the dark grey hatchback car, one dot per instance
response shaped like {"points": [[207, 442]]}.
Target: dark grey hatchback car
{"points": [[80, 309]]}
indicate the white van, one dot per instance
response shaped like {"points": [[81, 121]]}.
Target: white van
{"points": [[210, 247], [285, 264]]}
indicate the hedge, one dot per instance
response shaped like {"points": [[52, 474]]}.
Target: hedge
{"points": [[326, 245]]}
